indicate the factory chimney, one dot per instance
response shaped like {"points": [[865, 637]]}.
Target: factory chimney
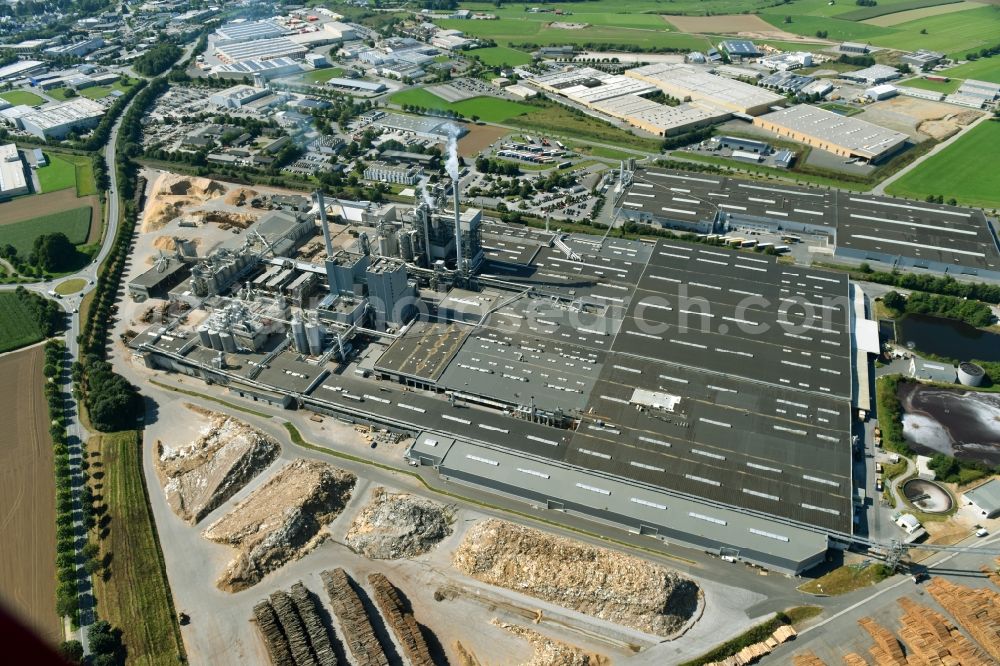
{"points": [[458, 229], [324, 222]]}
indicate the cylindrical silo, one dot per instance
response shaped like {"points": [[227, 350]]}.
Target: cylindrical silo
{"points": [[970, 374], [228, 342], [203, 336], [299, 334], [215, 339], [315, 335]]}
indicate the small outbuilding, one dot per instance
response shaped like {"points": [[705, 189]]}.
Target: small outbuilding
{"points": [[984, 499]]}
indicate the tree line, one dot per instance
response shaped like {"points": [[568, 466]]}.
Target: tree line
{"points": [[972, 312]]}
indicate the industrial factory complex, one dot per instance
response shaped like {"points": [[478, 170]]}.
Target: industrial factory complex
{"points": [[858, 226], [690, 392]]}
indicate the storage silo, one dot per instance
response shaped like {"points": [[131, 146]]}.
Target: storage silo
{"points": [[299, 334], [203, 336], [970, 374], [315, 335], [228, 342], [215, 339]]}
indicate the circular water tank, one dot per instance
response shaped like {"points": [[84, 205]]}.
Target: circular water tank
{"points": [[970, 374], [927, 496]]}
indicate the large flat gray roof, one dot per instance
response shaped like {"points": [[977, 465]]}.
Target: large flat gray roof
{"points": [[950, 235], [640, 505]]}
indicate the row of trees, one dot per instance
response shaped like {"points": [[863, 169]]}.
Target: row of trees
{"points": [[934, 284], [67, 557]]}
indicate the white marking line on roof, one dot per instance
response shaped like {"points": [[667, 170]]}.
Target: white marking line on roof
{"points": [[690, 201], [967, 232], [649, 185], [678, 210], [776, 212], [640, 194], [759, 200], [676, 247], [542, 441], [635, 204], [456, 419], [732, 206], [922, 246], [876, 202], [660, 174], [808, 212], [776, 189], [680, 189]]}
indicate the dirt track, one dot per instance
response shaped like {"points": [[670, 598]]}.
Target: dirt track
{"points": [[27, 496], [27, 208]]}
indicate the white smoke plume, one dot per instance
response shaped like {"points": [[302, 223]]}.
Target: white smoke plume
{"points": [[451, 166], [425, 195]]}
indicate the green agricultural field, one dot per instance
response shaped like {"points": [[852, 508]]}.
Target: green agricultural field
{"points": [[655, 33], [322, 75], [864, 13], [957, 171], [18, 328], [66, 170], [944, 87], [558, 122], [16, 97], [489, 109], [497, 56], [984, 69], [837, 29], [74, 223], [954, 34], [135, 595]]}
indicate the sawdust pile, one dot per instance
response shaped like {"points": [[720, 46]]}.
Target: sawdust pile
{"points": [[282, 520], [201, 475], [549, 652], [393, 526], [172, 194], [603, 583], [946, 126], [167, 243], [244, 193]]}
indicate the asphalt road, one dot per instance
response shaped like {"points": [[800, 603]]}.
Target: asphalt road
{"points": [[77, 434]]}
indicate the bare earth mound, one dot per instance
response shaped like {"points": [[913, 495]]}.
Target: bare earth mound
{"points": [[282, 520], [603, 583], [393, 526], [200, 476], [549, 652]]}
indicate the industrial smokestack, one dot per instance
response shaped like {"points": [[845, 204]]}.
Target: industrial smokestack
{"points": [[324, 223], [458, 229]]}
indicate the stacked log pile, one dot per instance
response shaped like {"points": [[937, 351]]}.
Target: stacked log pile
{"points": [[292, 629], [319, 638], [976, 610], [359, 635], [887, 651], [401, 620], [934, 640], [274, 637]]}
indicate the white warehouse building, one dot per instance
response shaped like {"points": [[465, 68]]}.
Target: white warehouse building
{"points": [[57, 121]]}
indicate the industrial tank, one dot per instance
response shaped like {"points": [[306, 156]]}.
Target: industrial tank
{"points": [[203, 336], [299, 334], [315, 335], [970, 374], [228, 342], [215, 339], [406, 241]]}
